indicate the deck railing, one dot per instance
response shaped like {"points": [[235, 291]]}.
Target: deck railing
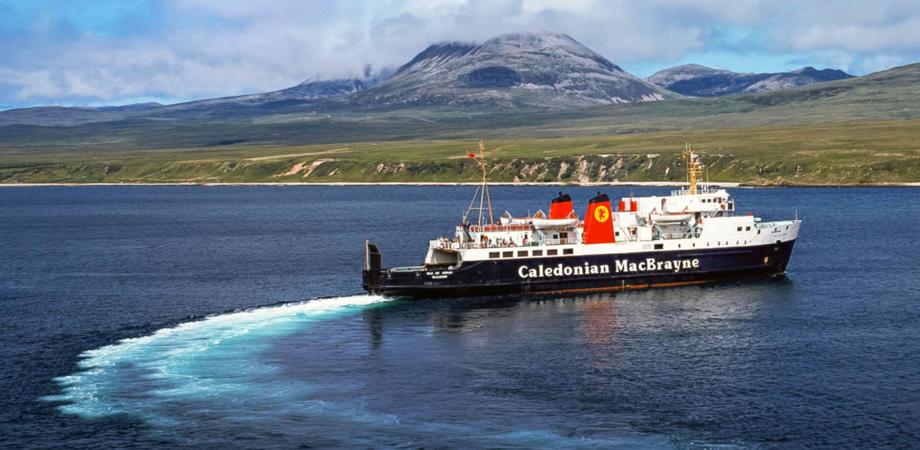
{"points": [[455, 245]]}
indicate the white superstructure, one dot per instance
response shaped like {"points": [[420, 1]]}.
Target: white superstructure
{"points": [[698, 217]]}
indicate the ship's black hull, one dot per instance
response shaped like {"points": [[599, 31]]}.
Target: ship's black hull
{"points": [[590, 273]]}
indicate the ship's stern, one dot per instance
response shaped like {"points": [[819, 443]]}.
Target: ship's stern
{"points": [[373, 267]]}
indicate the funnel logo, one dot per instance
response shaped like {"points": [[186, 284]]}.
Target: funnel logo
{"points": [[601, 214]]}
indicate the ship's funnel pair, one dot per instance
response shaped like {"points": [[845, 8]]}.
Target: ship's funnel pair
{"points": [[598, 227]]}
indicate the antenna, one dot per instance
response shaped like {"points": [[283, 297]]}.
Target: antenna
{"points": [[482, 191], [694, 168]]}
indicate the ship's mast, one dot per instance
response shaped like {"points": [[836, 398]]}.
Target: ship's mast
{"points": [[482, 191], [694, 168]]}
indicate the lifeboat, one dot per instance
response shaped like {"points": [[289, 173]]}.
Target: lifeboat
{"points": [[670, 217], [508, 219], [555, 223]]}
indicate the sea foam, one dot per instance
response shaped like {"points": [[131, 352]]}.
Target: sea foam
{"points": [[207, 358]]}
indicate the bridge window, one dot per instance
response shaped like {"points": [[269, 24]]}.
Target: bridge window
{"points": [[567, 251], [493, 254]]}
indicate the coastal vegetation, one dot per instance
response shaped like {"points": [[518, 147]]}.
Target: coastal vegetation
{"points": [[846, 153], [856, 131]]}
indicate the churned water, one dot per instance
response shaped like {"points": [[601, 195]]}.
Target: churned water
{"points": [[232, 316]]}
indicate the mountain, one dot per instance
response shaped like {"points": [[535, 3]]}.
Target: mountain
{"points": [[701, 81], [512, 72], [542, 70], [796, 78], [887, 96], [521, 69], [64, 115], [307, 92]]}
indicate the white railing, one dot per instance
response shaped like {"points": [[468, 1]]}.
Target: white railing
{"points": [[454, 245]]}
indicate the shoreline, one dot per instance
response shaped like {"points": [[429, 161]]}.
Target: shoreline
{"points": [[464, 183]]}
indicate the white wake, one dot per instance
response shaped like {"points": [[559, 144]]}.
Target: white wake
{"points": [[204, 358]]}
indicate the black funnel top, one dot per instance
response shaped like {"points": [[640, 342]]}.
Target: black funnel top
{"points": [[562, 198], [599, 198]]}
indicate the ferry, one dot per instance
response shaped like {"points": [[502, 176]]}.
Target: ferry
{"points": [[691, 236]]}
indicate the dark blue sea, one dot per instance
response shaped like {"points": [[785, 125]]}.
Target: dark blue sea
{"points": [[205, 317]]}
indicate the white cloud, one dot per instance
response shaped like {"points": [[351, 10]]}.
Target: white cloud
{"points": [[204, 48]]}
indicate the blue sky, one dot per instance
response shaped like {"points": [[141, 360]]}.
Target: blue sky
{"points": [[93, 52]]}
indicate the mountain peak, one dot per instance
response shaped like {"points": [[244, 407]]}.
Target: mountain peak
{"points": [[439, 53], [537, 69], [536, 39], [806, 69], [672, 75], [692, 68]]}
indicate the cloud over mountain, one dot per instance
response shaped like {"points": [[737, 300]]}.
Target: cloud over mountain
{"points": [[85, 52]]}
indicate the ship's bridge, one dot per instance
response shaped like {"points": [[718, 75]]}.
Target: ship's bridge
{"points": [[706, 201]]}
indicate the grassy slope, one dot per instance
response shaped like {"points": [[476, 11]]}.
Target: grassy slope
{"points": [[864, 130], [841, 153]]}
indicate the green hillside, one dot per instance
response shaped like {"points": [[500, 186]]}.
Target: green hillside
{"points": [[855, 131]]}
